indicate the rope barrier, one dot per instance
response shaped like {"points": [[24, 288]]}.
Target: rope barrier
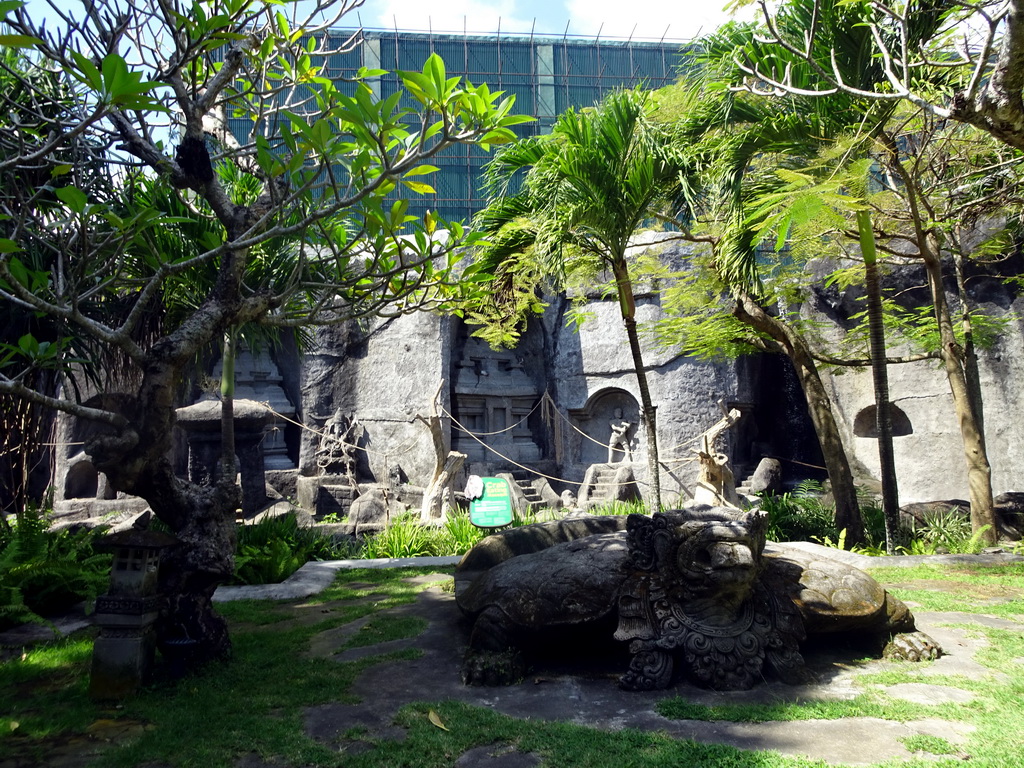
{"points": [[321, 434], [510, 460], [665, 462]]}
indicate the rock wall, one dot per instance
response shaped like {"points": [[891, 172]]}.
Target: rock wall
{"points": [[930, 460], [384, 375]]}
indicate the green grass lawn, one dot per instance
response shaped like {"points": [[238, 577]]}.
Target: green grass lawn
{"points": [[254, 705]]}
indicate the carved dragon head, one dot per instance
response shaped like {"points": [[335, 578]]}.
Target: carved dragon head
{"points": [[700, 552]]}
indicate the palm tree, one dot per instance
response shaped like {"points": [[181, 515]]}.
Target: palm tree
{"points": [[569, 202]]}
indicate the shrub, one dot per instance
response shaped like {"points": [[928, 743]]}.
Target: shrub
{"points": [[800, 515], [271, 550], [405, 537], [951, 532], [44, 573]]}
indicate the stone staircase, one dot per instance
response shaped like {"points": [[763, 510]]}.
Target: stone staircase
{"points": [[743, 486], [605, 483], [772, 475], [524, 481]]}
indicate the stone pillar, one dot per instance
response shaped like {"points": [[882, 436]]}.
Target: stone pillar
{"points": [[122, 657]]}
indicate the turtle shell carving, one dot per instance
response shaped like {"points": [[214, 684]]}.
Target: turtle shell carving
{"points": [[694, 593]]}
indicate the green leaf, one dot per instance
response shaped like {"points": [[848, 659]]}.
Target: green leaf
{"points": [[419, 187], [8, 246], [29, 345], [18, 41], [88, 72], [73, 197], [420, 170]]}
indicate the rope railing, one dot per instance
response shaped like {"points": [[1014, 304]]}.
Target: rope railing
{"points": [[667, 462]]}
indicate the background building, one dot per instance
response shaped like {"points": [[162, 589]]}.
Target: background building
{"points": [[547, 75]]}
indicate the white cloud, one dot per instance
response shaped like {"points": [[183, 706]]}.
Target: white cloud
{"points": [[647, 19], [448, 16]]}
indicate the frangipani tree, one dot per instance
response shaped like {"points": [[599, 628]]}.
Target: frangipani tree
{"points": [[152, 91]]}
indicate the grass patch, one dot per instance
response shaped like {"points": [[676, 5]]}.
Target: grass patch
{"points": [[996, 590], [866, 705], [252, 704], [936, 745], [382, 629]]}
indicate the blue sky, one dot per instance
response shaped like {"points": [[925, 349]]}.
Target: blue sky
{"points": [[643, 19], [640, 19]]}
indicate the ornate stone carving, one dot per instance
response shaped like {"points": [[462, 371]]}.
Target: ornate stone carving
{"points": [[696, 593], [336, 452]]}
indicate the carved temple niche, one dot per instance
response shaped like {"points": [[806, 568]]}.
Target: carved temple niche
{"points": [[494, 398], [595, 420], [81, 481]]}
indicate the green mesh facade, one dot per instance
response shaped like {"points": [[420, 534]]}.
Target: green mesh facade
{"points": [[546, 75]]}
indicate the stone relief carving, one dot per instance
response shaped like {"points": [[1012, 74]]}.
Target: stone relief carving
{"points": [[336, 450]]}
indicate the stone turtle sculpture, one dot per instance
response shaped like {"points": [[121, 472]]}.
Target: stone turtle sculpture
{"points": [[694, 593]]}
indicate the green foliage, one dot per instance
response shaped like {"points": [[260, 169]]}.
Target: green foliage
{"points": [[800, 515], [407, 537], [951, 532], [462, 532], [635, 507], [586, 189], [270, 551], [43, 573]]}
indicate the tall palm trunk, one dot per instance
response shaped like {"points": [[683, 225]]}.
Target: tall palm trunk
{"points": [[627, 306], [880, 377], [819, 407]]}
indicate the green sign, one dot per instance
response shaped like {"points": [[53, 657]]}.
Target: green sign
{"points": [[494, 508]]}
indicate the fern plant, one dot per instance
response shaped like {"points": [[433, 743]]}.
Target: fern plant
{"points": [[44, 573], [270, 551]]}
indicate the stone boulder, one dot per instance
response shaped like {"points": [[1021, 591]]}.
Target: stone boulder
{"points": [[1010, 514], [767, 478], [370, 512]]}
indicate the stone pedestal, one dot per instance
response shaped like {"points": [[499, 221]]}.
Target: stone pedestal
{"points": [[201, 423], [326, 495], [257, 378]]}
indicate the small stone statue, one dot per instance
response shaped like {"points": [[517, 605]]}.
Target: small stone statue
{"points": [[569, 503], [336, 452], [620, 437]]}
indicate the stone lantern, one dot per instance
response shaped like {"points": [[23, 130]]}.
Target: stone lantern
{"points": [[123, 654]]}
